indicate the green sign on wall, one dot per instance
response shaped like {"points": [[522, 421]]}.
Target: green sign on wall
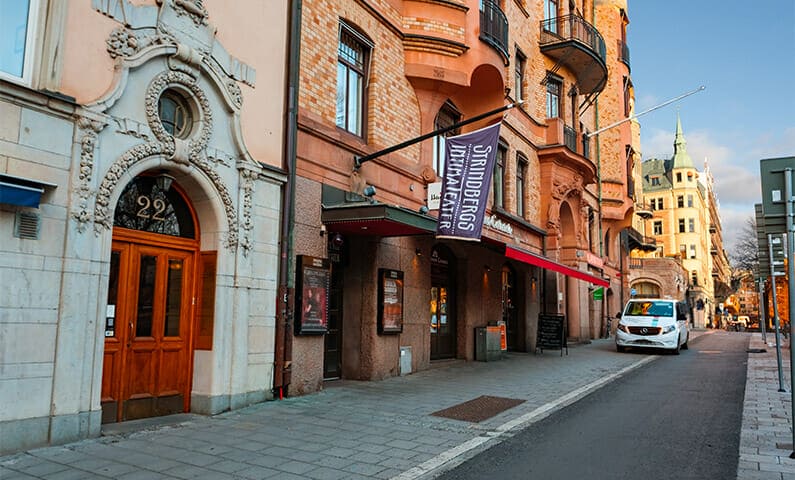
{"points": [[599, 293]]}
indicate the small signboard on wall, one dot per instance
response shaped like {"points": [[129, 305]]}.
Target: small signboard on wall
{"points": [[390, 301], [311, 300]]}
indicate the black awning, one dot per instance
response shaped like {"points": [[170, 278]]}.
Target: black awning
{"points": [[376, 219]]}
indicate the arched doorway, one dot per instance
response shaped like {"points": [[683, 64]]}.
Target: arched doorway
{"points": [[147, 368], [646, 289], [442, 306]]}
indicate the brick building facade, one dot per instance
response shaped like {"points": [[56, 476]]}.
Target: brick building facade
{"points": [[415, 66]]}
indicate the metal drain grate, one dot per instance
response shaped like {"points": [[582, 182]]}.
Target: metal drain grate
{"points": [[478, 409], [756, 350]]}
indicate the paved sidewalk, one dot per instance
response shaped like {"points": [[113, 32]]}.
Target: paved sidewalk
{"points": [[766, 438], [384, 430]]}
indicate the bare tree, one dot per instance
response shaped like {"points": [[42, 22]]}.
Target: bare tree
{"points": [[745, 256]]}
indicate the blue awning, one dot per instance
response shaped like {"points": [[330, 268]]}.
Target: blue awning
{"points": [[23, 192]]}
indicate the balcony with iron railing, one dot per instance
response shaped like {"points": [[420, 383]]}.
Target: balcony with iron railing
{"points": [[494, 27], [623, 52], [643, 210], [636, 240], [579, 46]]}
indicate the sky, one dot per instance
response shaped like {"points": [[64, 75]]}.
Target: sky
{"points": [[743, 52]]}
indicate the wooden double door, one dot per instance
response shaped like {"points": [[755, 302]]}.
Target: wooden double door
{"points": [[148, 327]]}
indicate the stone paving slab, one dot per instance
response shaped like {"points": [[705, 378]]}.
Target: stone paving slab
{"points": [[384, 429], [767, 416]]}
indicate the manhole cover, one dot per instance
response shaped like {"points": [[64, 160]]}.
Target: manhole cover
{"points": [[756, 350], [478, 409]]}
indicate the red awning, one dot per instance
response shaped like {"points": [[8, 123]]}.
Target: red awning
{"points": [[533, 259]]}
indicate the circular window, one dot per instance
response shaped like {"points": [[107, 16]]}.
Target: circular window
{"points": [[174, 113]]}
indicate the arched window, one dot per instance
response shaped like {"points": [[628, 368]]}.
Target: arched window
{"points": [[151, 204]]}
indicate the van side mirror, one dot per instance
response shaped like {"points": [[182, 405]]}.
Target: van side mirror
{"points": [[618, 315]]}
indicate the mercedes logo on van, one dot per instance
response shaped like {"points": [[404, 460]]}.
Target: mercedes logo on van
{"points": [[644, 331]]}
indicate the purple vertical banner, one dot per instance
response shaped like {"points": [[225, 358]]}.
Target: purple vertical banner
{"points": [[469, 164]]}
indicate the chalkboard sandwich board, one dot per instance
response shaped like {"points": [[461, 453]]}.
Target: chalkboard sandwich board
{"points": [[551, 333]]}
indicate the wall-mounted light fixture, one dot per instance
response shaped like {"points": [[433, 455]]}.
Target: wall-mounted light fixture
{"points": [[486, 268], [369, 191], [418, 251], [164, 181], [337, 240], [423, 210], [322, 230]]}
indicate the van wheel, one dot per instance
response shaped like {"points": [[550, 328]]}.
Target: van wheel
{"points": [[675, 351], [684, 345], [620, 349]]}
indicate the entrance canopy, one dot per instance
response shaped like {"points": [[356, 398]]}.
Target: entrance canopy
{"points": [[376, 219], [533, 259]]}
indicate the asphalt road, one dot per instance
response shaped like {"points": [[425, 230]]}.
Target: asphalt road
{"points": [[677, 417]]}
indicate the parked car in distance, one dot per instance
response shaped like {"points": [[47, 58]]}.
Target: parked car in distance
{"points": [[653, 323], [739, 323]]}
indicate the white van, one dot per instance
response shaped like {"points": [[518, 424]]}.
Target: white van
{"points": [[653, 323]]}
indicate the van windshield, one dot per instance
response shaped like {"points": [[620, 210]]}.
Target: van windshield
{"points": [[650, 308]]}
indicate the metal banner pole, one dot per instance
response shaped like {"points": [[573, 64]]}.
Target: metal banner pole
{"points": [[773, 276], [791, 271]]}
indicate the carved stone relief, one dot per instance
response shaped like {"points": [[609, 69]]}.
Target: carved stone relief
{"points": [[124, 43], [247, 177], [90, 129], [193, 8], [196, 143]]}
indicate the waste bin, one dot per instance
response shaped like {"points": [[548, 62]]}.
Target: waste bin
{"points": [[487, 344]]}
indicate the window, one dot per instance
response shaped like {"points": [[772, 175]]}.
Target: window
{"points": [[660, 204], [352, 66], [553, 97], [658, 228], [448, 115], [518, 73], [17, 33], [550, 12], [499, 176], [521, 174], [692, 251], [655, 181], [627, 94], [681, 225], [175, 114], [691, 225], [694, 278], [680, 201], [689, 176], [690, 200], [678, 176]]}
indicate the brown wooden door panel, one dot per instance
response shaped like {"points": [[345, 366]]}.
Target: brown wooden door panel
{"points": [[110, 365], [141, 373], [171, 378]]}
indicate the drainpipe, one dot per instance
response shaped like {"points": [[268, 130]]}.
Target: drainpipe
{"points": [[284, 321]]}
